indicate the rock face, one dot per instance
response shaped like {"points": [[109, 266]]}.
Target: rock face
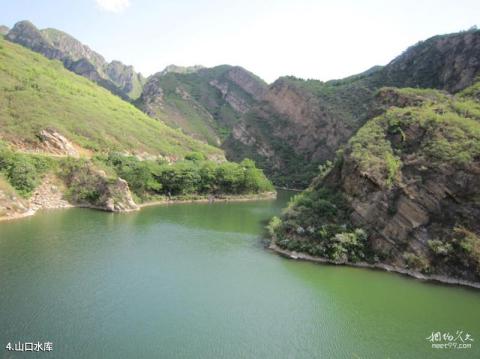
{"points": [[54, 142], [90, 187], [203, 102], [118, 78], [410, 183], [303, 123], [49, 195]]}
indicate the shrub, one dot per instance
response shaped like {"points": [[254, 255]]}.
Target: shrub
{"points": [[273, 225], [24, 172]]}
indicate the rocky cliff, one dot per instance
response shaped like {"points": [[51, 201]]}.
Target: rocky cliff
{"points": [[203, 102], [118, 78], [302, 123], [405, 191]]}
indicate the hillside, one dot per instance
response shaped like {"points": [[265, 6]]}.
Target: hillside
{"points": [[404, 192], [305, 122], [66, 141], [38, 94], [118, 78], [204, 102]]}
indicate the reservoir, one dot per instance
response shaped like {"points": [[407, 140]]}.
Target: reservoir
{"points": [[195, 281]]}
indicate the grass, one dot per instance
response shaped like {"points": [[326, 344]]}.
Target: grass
{"points": [[198, 107], [36, 93]]}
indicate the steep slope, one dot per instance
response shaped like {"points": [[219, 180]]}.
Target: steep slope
{"points": [[405, 192], [38, 94], [118, 78], [66, 141], [204, 102], [302, 123]]}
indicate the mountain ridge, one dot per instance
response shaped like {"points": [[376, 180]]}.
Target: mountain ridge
{"points": [[118, 78], [332, 111]]}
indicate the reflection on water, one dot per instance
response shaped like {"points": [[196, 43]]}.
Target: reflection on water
{"points": [[193, 281]]}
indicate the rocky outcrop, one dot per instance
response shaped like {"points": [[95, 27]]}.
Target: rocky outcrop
{"points": [[49, 195], [449, 62], [405, 192], [181, 69], [116, 77], [96, 191], [125, 77], [203, 102], [305, 122], [90, 187], [53, 142]]}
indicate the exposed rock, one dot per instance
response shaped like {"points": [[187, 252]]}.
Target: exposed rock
{"points": [[118, 78], [305, 122], [90, 187], [203, 102], [54, 142], [410, 179], [181, 69], [125, 77], [49, 195]]}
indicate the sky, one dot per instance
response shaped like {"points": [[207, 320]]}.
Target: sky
{"points": [[305, 38]]}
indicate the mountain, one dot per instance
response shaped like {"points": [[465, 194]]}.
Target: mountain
{"points": [[4, 30], [39, 94], [66, 141], [116, 77], [204, 102], [403, 194], [303, 123], [181, 69]]}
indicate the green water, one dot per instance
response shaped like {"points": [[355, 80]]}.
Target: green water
{"points": [[193, 281]]}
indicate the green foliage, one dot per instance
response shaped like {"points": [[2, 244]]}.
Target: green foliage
{"points": [[374, 153], [467, 246], [316, 221], [439, 247], [43, 94], [416, 262], [273, 225], [196, 106], [24, 172], [138, 174], [195, 175], [195, 156], [85, 186]]}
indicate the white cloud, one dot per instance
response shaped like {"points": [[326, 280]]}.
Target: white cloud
{"points": [[113, 5]]}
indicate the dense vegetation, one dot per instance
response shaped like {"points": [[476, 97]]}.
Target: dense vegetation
{"points": [[23, 172], [421, 157], [37, 93], [194, 103], [317, 222], [147, 179], [193, 176]]}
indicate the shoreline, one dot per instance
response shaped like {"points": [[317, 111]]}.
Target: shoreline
{"points": [[379, 266], [201, 199], [207, 199]]}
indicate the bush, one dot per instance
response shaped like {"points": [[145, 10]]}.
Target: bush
{"points": [[24, 172], [273, 225], [440, 248], [194, 175]]}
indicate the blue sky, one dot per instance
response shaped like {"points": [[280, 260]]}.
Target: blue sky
{"points": [[306, 38]]}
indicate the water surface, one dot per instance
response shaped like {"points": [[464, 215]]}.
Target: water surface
{"points": [[194, 281]]}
